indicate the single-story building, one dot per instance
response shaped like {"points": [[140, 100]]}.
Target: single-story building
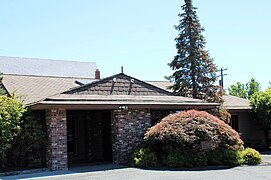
{"points": [[89, 119], [242, 122]]}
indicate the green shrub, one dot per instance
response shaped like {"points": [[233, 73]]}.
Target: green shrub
{"points": [[145, 157], [175, 157], [215, 158], [29, 141], [11, 111], [230, 157], [250, 156]]}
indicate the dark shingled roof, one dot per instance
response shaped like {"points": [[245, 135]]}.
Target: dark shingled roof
{"points": [[236, 103], [34, 88], [230, 102], [119, 84], [46, 67]]}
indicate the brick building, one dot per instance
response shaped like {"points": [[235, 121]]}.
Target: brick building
{"points": [[89, 119]]}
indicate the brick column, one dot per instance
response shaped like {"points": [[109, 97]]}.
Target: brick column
{"points": [[128, 129], [56, 121]]}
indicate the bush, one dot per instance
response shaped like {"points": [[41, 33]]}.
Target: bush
{"points": [[190, 139], [222, 157], [250, 156], [145, 157], [193, 130], [11, 111], [174, 157], [29, 141]]}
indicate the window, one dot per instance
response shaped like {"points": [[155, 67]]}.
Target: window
{"points": [[234, 122], [71, 135], [158, 115]]}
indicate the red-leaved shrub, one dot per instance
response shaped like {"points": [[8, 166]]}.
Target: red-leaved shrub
{"points": [[197, 130]]}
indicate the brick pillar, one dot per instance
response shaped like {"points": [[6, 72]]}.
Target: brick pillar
{"points": [[128, 129], [56, 121]]}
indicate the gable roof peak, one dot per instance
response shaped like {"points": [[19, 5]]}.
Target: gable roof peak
{"points": [[119, 84]]}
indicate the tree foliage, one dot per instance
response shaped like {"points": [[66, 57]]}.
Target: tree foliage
{"points": [[2, 90], [29, 141], [11, 111], [261, 107], [245, 91], [252, 87], [238, 90], [194, 69]]}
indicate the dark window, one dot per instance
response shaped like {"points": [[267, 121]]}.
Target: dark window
{"points": [[71, 135], [235, 123], [158, 115]]}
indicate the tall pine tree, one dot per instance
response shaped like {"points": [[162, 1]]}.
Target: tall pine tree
{"points": [[194, 69]]}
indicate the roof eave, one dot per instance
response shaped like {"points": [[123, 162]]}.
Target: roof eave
{"points": [[116, 104]]}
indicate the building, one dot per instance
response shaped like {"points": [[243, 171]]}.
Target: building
{"points": [[87, 118], [242, 122]]}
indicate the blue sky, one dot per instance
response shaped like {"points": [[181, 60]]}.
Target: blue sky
{"points": [[138, 35]]}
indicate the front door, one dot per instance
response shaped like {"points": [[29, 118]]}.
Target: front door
{"points": [[89, 136]]}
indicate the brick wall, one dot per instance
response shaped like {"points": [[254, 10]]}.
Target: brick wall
{"points": [[56, 122], [128, 129]]}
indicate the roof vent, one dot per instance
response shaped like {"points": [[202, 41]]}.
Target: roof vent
{"points": [[82, 82]]}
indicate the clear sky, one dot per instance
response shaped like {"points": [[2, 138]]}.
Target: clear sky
{"points": [[138, 35]]}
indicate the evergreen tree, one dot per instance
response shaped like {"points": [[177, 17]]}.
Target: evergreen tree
{"points": [[194, 70]]}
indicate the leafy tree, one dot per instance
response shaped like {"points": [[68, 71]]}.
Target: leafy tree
{"points": [[261, 106], [2, 91], [29, 141], [11, 111], [245, 91], [252, 87], [238, 90], [195, 71]]}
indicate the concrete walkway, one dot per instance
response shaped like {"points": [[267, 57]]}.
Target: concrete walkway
{"points": [[112, 171], [266, 158]]}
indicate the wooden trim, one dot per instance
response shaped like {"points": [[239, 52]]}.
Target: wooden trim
{"points": [[114, 107]]}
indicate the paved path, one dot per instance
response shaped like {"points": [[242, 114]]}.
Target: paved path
{"points": [[114, 172], [266, 158]]}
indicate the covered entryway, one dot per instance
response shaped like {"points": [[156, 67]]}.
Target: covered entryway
{"points": [[105, 119], [89, 136]]}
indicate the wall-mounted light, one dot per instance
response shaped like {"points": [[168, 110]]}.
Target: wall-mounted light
{"points": [[123, 107]]}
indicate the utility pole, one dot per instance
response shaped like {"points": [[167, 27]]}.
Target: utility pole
{"points": [[221, 81]]}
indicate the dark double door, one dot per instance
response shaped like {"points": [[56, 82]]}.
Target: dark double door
{"points": [[89, 136]]}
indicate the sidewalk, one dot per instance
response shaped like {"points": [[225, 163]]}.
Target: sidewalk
{"points": [[266, 158], [38, 173], [110, 168]]}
